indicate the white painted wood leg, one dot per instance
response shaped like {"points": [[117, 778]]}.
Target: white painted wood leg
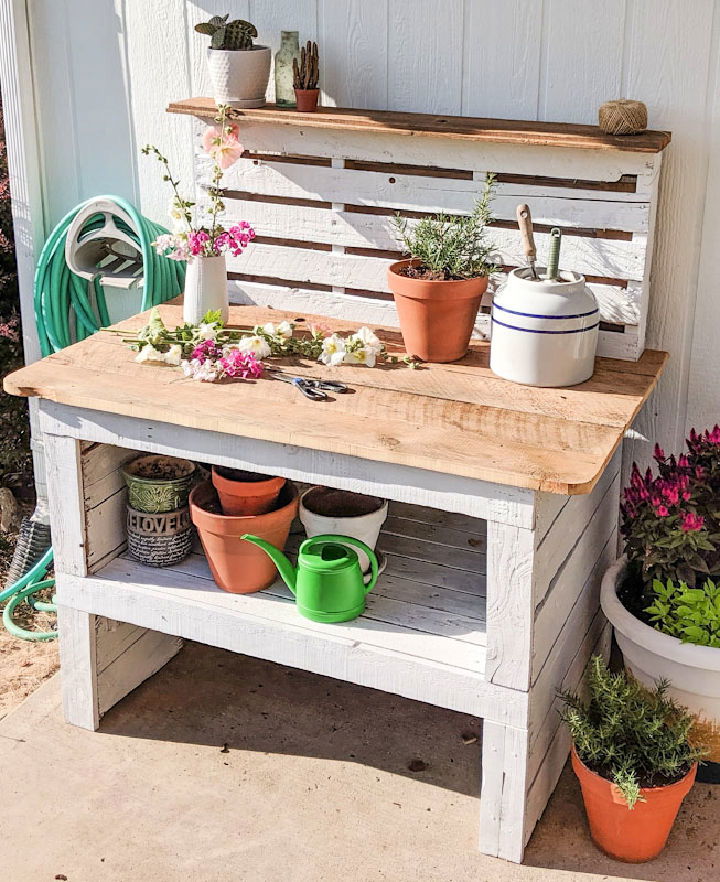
{"points": [[76, 635], [503, 796]]}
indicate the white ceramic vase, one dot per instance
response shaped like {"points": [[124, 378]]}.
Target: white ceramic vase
{"points": [[366, 528], [693, 671], [205, 288], [239, 76], [544, 333]]}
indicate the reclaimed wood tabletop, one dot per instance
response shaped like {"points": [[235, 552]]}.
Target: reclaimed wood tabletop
{"points": [[458, 419]]}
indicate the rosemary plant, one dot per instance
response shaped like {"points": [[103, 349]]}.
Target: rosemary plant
{"points": [[449, 246], [628, 734]]}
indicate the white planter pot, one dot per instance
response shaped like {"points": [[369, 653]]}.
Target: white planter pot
{"points": [[544, 333], [366, 528], [692, 671], [205, 288], [239, 77]]}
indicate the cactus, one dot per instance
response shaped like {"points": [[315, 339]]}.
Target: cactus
{"points": [[230, 35], [306, 74]]}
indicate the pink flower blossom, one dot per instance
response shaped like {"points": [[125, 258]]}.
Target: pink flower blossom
{"points": [[223, 146], [662, 511], [691, 521], [208, 350], [240, 364]]}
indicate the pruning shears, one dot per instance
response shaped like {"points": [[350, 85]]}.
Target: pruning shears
{"points": [[315, 390]]}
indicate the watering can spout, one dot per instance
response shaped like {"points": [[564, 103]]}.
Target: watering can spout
{"points": [[285, 568]]}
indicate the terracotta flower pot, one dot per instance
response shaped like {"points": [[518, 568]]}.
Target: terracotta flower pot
{"points": [[631, 835], [307, 99], [238, 566], [436, 317], [245, 493]]}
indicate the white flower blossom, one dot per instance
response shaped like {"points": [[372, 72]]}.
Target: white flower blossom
{"points": [[177, 216], [208, 330], [150, 355], [284, 329], [333, 350], [255, 344], [362, 347], [366, 355], [206, 371]]}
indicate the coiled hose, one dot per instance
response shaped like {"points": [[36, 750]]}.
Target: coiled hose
{"points": [[64, 314]]}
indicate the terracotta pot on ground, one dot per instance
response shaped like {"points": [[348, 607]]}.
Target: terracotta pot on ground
{"points": [[246, 493], [632, 835], [436, 317], [238, 566], [325, 511], [307, 99]]}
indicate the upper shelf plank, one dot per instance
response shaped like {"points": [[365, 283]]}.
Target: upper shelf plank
{"points": [[468, 128], [457, 419]]}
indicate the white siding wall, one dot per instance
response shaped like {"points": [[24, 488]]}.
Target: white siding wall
{"points": [[104, 72]]}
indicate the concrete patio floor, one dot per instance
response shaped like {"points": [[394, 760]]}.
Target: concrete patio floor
{"points": [[224, 768]]}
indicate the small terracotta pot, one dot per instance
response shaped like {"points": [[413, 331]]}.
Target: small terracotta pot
{"points": [[307, 99], [238, 566], [246, 493], [436, 318], [631, 835]]}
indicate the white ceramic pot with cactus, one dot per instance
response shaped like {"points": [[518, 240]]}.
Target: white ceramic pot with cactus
{"points": [[239, 70]]}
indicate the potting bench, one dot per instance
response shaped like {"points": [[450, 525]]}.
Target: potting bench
{"points": [[503, 518]]}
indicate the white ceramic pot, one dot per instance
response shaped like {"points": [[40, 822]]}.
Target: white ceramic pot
{"points": [[205, 288], [239, 76], [692, 671], [544, 333], [366, 528]]}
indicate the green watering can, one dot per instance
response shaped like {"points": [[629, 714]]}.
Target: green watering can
{"points": [[328, 583]]}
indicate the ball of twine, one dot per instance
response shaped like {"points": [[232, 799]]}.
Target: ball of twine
{"points": [[623, 117]]}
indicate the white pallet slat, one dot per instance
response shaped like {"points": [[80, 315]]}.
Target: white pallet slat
{"points": [[363, 145], [590, 255], [408, 192], [448, 672]]}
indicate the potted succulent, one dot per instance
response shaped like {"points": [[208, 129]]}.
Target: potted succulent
{"points": [[439, 287], [237, 566], [245, 493], [327, 511], [306, 75], [198, 236], [634, 761], [238, 69], [663, 595]]}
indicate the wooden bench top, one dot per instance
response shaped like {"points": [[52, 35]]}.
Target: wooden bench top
{"points": [[457, 419]]}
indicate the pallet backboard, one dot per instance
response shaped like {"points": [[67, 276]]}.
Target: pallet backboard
{"points": [[321, 202]]}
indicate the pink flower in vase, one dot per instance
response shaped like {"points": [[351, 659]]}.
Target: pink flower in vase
{"points": [[223, 146]]}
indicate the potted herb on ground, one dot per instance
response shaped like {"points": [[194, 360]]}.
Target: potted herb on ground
{"points": [[633, 759], [663, 596], [239, 70], [438, 289]]}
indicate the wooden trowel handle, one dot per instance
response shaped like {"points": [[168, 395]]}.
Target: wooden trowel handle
{"points": [[526, 231]]}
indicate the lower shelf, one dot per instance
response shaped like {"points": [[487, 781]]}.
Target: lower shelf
{"points": [[422, 635]]}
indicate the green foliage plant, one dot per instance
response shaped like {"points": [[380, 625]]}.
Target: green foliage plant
{"points": [[449, 246], [690, 614], [627, 734], [236, 35]]}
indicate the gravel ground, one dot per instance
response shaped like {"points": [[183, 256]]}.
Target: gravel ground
{"points": [[24, 665]]}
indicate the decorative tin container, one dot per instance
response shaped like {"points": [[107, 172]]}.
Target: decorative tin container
{"points": [[544, 333], [158, 483], [159, 540]]}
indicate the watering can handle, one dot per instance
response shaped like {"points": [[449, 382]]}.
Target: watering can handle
{"points": [[372, 557]]}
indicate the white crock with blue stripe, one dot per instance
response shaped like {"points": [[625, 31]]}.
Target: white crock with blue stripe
{"points": [[544, 333]]}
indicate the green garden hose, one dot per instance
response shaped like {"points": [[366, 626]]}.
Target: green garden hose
{"points": [[64, 314]]}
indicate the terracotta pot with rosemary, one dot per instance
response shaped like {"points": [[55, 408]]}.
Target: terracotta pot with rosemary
{"points": [[306, 76], [439, 287], [633, 758]]}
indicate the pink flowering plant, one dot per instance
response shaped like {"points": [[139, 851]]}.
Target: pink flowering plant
{"points": [[189, 239], [670, 520]]}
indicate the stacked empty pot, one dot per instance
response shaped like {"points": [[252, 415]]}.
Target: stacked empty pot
{"points": [[235, 503], [158, 517]]}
